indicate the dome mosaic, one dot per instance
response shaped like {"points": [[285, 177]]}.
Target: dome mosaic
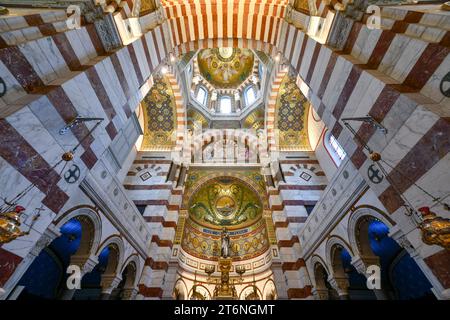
{"points": [[225, 202], [225, 67]]}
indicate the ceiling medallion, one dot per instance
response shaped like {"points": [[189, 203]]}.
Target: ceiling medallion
{"points": [[226, 53], [225, 67]]}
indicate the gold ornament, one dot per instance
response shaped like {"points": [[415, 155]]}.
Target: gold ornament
{"points": [[67, 156], [435, 229], [375, 156], [9, 225]]}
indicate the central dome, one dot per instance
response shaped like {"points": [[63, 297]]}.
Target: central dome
{"points": [[225, 202], [225, 67]]}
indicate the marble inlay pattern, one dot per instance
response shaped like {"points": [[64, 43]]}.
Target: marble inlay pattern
{"points": [[159, 116], [291, 116]]}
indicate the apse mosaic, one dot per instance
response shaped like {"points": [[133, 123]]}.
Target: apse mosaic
{"points": [[203, 243], [292, 116], [225, 67], [252, 177], [225, 202], [159, 116]]}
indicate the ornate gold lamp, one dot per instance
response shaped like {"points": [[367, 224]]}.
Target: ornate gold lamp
{"points": [[434, 229], [11, 211], [209, 269], [240, 270], [9, 225]]}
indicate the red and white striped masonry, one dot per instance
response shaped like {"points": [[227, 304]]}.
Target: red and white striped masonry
{"points": [[271, 105], [180, 111]]}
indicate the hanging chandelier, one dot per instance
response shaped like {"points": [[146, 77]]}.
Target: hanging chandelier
{"points": [[435, 230], [11, 210]]}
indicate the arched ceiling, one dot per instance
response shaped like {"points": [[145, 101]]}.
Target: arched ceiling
{"points": [[160, 119], [225, 202], [214, 200], [292, 116], [225, 67]]}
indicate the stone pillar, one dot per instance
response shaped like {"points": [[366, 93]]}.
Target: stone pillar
{"points": [[320, 294], [340, 285], [361, 264], [129, 293], [170, 279], [439, 291], [108, 283], [51, 233], [279, 279], [86, 265]]}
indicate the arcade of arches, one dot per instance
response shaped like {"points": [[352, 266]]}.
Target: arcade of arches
{"points": [[252, 150]]}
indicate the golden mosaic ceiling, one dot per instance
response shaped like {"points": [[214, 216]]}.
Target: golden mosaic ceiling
{"points": [[205, 244], [225, 67], [159, 116], [235, 199], [292, 116], [225, 202], [255, 120]]}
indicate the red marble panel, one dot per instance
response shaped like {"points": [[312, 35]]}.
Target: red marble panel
{"points": [[347, 91], [431, 148], [101, 93], [430, 59], [26, 160], [312, 65], [161, 242], [290, 266], [154, 292], [327, 74], [354, 32], [111, 130], [67, 52], [439, 264], [156, 265], [23, 72], [135, 64], [299, 293], [89, 158], [67, 111], [8, 264], [95, 39]]}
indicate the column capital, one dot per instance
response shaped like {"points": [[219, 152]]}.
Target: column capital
{"points": [[86, 263], [320, 294], [109, 282], [401, 238], [51, 233], [361, 263], [129, 293], [339, 284]]}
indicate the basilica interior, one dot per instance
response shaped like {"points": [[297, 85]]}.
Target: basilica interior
{"points": [[224, 150]]}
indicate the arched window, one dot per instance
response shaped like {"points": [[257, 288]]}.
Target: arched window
{"points": [[202, 96], [250, 95], [225, 104], [335, 149]]}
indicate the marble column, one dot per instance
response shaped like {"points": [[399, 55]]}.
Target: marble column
{"points": [[170, 279], [320, 294], [340, 285], [51, 233], [86, 265], [279, 279], [129, 293], [108, 284], [361, 264]]}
